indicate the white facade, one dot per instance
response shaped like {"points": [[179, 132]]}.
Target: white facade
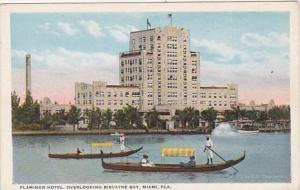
{"points": [[160, 62], [220, 98], [159, 71], [46, 106], [99, 94]]}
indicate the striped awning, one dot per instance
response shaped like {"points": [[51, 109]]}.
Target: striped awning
{"points": [[102, 144], [177, 151]]}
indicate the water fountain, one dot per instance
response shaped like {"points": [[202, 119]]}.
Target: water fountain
{"points": [[224, 129]]}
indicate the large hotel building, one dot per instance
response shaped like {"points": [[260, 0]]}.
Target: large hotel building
{"points": [[159, 71]]}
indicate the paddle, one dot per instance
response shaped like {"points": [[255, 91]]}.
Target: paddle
{"points": [[221, 158]]}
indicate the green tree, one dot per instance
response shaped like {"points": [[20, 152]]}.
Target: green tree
{"points": [[192, 116], [120, 119], [210, 116], [15, 106], [98, 117], [107, 116], [134, 117], [262, 116], [47, 120], [29, 112], [74, 116], [152, 119], [92, 117], [181, 116], [229, 115]]}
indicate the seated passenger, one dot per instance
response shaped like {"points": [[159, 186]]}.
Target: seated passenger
{"points": [[145, 161], [190, 163], [78, 151]]}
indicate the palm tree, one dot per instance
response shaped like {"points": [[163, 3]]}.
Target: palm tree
{"points": [[74, 116], [152, 119], [181, 116], [210, 116], [193, 116]]}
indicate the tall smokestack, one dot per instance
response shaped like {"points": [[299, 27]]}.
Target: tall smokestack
{"points": [[28, 74]]}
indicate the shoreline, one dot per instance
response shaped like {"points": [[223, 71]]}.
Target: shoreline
{"points": [[125, 131], [108, 132]]}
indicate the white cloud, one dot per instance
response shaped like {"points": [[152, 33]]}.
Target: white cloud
{"points": [[121, 33], [273, 39], [54, 72], [222, 52], [66, 28], [92, 28], [47, 28]]}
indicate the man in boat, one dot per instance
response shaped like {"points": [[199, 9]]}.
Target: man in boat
{"points": [[191, 163], [122, 142], [145, 161], [207, 149]]}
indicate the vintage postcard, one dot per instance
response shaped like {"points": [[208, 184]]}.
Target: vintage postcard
{"points": [[150, 96]]}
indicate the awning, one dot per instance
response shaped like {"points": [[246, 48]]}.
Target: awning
{"points": [[102, 144], [177, 151]]}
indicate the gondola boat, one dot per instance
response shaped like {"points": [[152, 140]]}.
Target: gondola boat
{"points": [[170, 167], [94, 155]]}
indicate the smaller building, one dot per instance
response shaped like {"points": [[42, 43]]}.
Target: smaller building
{"points": [[220, 98], [100, 94], [46, 106], [253, 106]]}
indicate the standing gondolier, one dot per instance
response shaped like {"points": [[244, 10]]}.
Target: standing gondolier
{"points": [[207, 149], [122, 142]]}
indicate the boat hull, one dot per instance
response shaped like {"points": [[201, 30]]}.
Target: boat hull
{"points": [[247, 132], [91, 156], [171, 167]]}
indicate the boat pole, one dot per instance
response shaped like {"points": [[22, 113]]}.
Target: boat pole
{"points": [[221, 158]]}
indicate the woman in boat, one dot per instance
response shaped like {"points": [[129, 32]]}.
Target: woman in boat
{"points": [[122, 142], [145, 161], [207, 149]]}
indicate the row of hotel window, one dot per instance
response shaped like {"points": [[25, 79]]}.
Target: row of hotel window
{"points": [[150, 94], [195, 102], [151, 38], [108, 94], [109, 102]]}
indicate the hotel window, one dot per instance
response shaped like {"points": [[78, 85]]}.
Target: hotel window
{"points": [[151, 38], [115, 94], [78, 95], [121, 94], [109, 102], [121, 102], [115, 102], [108, 94], [144, 39], [126, 94]]}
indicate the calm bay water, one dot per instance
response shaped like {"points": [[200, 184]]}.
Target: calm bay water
{"points": [[267, 159]]}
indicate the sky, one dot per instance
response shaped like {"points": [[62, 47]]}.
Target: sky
{"points": [[247, 48]]}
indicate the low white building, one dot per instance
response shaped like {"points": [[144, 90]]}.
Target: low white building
{"points": [[100, 94], [219, 97], [46, 106]]}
